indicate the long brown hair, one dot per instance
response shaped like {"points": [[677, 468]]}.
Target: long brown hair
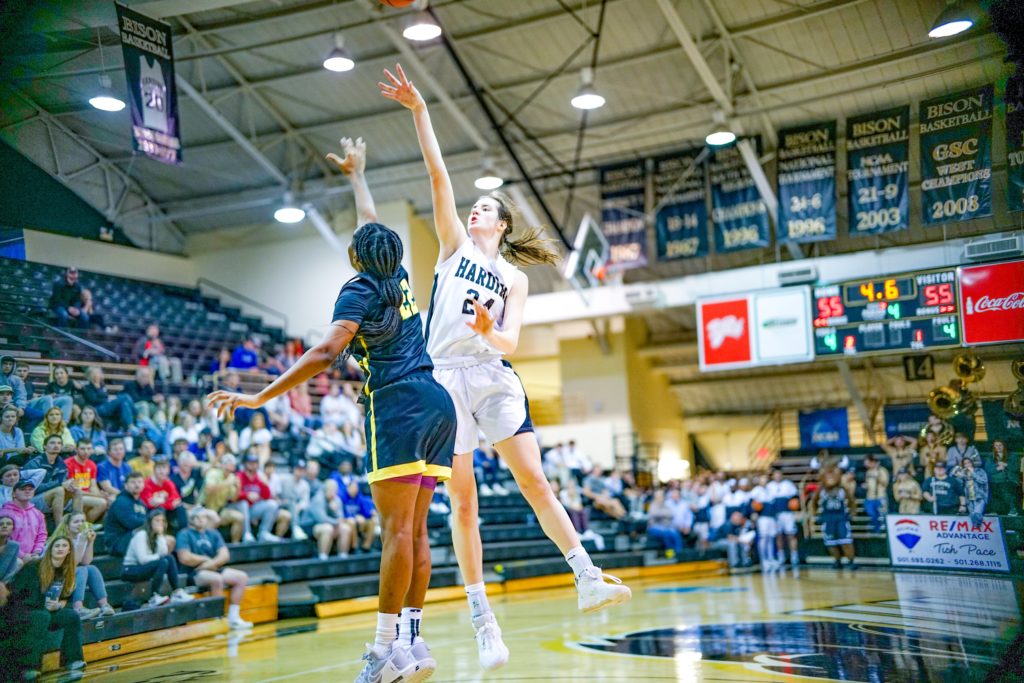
{"points": [[59, 429], [48, 573], [530, 248]]}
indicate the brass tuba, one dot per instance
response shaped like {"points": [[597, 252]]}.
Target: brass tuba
{"points": [[968, 367], [1017, 368], [1014, 403], [944, 402], [944, 434]]}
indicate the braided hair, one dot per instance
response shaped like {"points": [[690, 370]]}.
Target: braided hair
{"points": [[378, 250]]}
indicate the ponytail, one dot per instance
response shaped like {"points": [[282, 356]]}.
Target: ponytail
{"points": [[531, 248]]}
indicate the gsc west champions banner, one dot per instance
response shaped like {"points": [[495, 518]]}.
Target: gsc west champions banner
{"points": [[807, 183], [623, 190], [152, 99], [682, 221], [739, 216], [1015, 153], [956, 156], [878, 171]]}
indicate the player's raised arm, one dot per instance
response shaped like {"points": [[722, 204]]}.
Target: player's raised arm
{"points": [[354, 167], [450, 230]]}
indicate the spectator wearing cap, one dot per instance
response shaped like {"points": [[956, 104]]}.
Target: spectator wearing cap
{"points": [[119, 407], [160, 492], [149, 558], [246, 356], [257, 503], [907, 493], [13, 448], [56, 488], [83, 472], [29, 524], [151, 352], [112, 472], [9, 561], [126, 514], [66, 300], [203, 553], [35, 406], [220, 489], [143, 461]]}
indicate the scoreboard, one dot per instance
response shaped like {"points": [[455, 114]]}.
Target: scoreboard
{"points": [[904, 312]]}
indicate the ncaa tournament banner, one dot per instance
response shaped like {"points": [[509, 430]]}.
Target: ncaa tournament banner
{"points": [[956, 156], [1015, 154], [623, 191], [681, 222], [878, 171], [807, 183], [829, 428], [152, 99], [947, 542], [739, 216], [906, 420]]}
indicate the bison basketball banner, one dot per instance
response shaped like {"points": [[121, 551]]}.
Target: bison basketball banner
{"points": [[725, 340], [1015, 154], [152, 99], [992, 302], [947, 542], [681, 220], [956, 156], [807, 183], [739, 216], [878, 171], [623, 191]]}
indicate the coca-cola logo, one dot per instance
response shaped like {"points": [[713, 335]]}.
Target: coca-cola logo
{"points": [[720, 329], [987, 303]]}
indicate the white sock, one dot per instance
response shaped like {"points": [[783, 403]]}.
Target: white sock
{"points": [[477, 595], [409, 625], [387, 630], [579, 560], [234, 612]]}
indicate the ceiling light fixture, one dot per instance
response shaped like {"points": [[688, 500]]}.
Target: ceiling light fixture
{"points": [[957, 17], [587, 97], [339, 59], [488, 180], [422, 27], [289, 212], [106, 100], [721, 135]]}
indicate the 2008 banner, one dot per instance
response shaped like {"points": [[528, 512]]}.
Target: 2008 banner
{"points": [[878, 171], [152, 98], [681, 221], [956, 156], [738, 213], [807, 183], [623, 191]]}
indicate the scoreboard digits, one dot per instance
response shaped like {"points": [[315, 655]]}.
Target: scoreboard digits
{"points": [[914, 311]]}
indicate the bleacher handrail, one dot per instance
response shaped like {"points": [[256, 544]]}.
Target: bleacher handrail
{"points": [[7, 310], [224, 289]]}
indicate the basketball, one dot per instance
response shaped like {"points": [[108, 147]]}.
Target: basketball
{"points": [[794, 504], [757, 506], [397, 3]]}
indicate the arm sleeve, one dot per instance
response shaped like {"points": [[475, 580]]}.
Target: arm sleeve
{"points": [[355, 301]]}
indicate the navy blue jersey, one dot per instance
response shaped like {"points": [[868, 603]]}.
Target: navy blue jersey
{"points": [[405, 353]]}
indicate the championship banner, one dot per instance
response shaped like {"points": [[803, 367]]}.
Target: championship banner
{"points": [[739, 216], [1015, 155], [829, 428], [878, 171], [906, 420], [681, 223], [956, 156], [807, 183], [623, 190], [947, 542], [152, 99]]}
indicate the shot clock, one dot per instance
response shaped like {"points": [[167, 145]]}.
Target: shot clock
{"points": [[899, 313]]}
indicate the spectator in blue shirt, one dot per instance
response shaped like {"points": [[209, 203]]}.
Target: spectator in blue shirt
{"points": [[112, 472], [203, 553], [246, 356], [359, 507], [13, 448]]}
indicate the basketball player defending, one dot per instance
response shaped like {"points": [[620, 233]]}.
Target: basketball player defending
{"points": [[476, 311], [409, 417]]}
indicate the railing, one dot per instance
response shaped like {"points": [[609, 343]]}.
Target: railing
{"points": [[223, 289], [767, 442], [11, 312]]}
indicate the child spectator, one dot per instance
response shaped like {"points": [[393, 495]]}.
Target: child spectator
{"points": [[9, 561], [82, 470], [907, 493], [12, 440], [833, 505], [66, 300], [256, 438], [143, 461], [220, 490], [160, 492], [119, 407], [88, 426], [53, 424], [203, 553], [148, 559], [38, 605], [945, 493], [127, 514], [256, 502], [56, 488], [87, 575], [325, 520], [1004, 481], [29, 524], [112, 472], [959, 451], [359, 508], [151, 352], [659, 525], [975, 489], [876, 495]]}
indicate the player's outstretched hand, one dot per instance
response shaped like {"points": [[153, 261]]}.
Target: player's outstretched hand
{"points": [[401, 89], [354, 162], [226, 402], [484, 323]]}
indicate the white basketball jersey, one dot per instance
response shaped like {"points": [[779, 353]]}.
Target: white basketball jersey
{"points": [[154, 95], [466, 275]]}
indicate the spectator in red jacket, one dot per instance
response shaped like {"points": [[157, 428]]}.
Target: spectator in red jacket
{"points": [[257, 503], [29, 524], [160, 492]]}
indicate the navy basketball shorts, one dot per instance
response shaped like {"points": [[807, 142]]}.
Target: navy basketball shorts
{"points": [[410, 429]]}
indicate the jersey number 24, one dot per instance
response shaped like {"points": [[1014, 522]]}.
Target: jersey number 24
{"points": [[467, 305]]}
